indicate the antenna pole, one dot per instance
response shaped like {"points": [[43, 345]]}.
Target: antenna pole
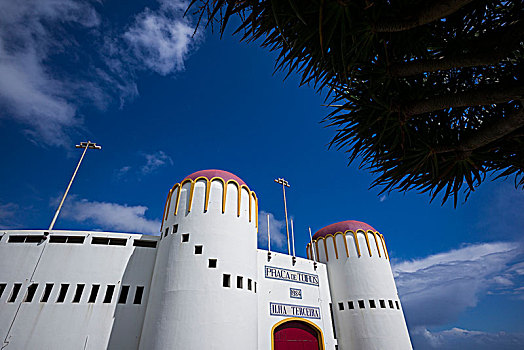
{"points": [[292, 237], [268, 236], [85, 146], [284, 185], [311, 241]]}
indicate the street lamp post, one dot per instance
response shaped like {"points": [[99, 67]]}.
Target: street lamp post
{"points": [[85, 146], [285, 184]]}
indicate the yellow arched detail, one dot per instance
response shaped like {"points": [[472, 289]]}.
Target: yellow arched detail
{"points": [[376, 242], [307, 251], [256, 209], [178, 193], [384, 245], [356, 242], [325, 249], [334, 244], [208, 190], [313, 325], [367, 240], [345, 244]]}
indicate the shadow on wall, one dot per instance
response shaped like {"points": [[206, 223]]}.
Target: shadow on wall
{"points": [[132, 300]]}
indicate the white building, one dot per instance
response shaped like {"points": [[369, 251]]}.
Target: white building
{"points": [[202, 284]]}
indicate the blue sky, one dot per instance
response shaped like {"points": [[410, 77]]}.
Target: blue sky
{"points": [[164, 104]]}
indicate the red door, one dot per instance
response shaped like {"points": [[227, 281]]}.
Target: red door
{"points": [[296, 335]]}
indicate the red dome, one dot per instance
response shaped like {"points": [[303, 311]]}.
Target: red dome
{"points": [[343, 226], [211, 173]]}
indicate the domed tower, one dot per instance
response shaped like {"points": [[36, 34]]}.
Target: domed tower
{"points": [[366, 307], [204, 282]]}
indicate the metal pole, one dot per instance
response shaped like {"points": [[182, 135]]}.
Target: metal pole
{"points": [[268, 236], [285, 210], [85, 146], [312, 249], [293, 237]]}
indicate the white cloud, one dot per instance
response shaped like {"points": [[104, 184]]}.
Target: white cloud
{"points": [[110, 216], [463, 339], [276, 229], [162, 39], [56, 57], [8, 215], [436, 289], [155, 161], [383, 198]]}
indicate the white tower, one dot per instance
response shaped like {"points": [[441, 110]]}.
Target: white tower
{"points": [[366, 308], [204, 282]]}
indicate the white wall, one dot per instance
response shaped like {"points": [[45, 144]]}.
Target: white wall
{"points": [[68, 325]]}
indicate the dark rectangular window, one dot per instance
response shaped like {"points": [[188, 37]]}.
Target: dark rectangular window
{"points": [[212, 263], [123, 295], [34, 239], [341, 306], [66, 239], [166, 232], [390, 302], [226, 280], [75, 239], [372, 304], [249, 287], [398, 305], [240, 281], [78, 293], [255, 289], [361, 304], [31, 290], [138, 295], [109, 293], [2, 288], [175, 228], [94, 293], [57, 239], [14, 292], [117, 241], [62, 293], [350, 305], [382, 303], [199, 249], [144, 243], [47, 292], [185, 237], [100, 240], [16, 239]]}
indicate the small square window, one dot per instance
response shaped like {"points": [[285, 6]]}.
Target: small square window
{"points": [[212, 263], [226, 280], [185, 237], [199, 249], [255, 289], [249, 286], [397, 304], [109, 294], [31, 290], [166, 232], [175, 228], [94, 293], [14, 292], [361, 304], [350, 305], [47, 292], [341, 306], [123, 295], [382, 303], [62, 293], [78, 293], [2, 288], [372, 304], [390, 302], [240, 282]]}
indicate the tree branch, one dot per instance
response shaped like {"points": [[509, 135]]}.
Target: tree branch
{"points": [[481, 97], [489, 133], [490, 49], [429, 13]]}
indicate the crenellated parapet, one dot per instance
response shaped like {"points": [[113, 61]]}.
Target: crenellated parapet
{"points": [[373, 239], [208, 178]]}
